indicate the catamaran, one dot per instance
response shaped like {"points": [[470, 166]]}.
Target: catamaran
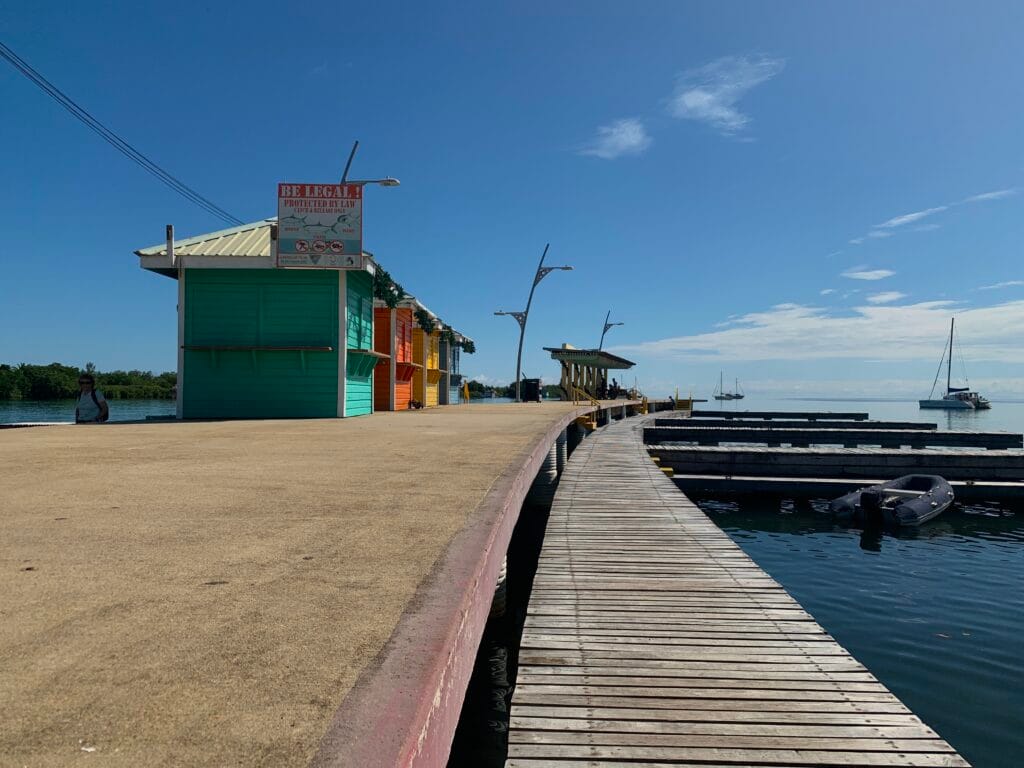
{"points": [[721, 394], [956, 398]]}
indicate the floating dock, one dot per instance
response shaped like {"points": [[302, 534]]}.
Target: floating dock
{"points": [[797, 424], [848, 438], [965, 491], [840, 462], [652, 639], [768, 415]]}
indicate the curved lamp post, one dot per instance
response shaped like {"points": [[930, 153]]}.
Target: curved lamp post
{"points": [[607, 326], [521, 317], [387, 181]]}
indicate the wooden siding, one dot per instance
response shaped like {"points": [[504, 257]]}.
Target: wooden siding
{"points": [[403, 354], [359, 377], [382, 373], [418, 356], [434, 353], [422, 344], [404, 321], [254, 309]]}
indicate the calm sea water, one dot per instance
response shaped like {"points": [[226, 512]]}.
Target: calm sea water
{"points": [[936, 613], [13, 411]]}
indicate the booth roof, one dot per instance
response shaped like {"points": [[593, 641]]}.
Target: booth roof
{"points": [[596, 357], [245, 240]]}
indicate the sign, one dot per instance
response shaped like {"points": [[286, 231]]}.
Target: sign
{"points": [[320, 226]]}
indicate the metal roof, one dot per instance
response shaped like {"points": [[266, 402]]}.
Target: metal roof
{"points": [[595, 357], [245, 240]]}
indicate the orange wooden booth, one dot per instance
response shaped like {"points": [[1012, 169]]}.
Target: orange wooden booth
{"points": [[392, 336]]}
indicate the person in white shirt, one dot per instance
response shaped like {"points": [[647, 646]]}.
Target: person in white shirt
{"points": [[91, 407]]}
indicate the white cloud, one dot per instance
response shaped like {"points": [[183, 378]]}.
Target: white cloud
{"points": [[710, 93], [827, 291], [622, 137], [895, 333], [1005, 284], [882, 388], [885, 297], [859, 273], [490, 381], [883, 230], [998, 194], [910, 218]]}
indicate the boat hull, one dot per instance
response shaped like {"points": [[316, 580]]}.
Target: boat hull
{"points": [[880, 505], [949, 405]]}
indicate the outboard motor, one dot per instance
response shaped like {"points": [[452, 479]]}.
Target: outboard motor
{"points": [[871, 511]]}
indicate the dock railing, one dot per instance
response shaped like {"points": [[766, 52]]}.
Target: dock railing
{"points": [[582, 397]]}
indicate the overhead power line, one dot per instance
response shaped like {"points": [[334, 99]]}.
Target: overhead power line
{"points": [[113, 139]]}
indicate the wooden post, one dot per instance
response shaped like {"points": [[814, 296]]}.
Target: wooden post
{"points": [[342, 339], [393, 365]]}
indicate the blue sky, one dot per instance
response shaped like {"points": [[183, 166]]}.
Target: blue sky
{"points": [[723, 176]]}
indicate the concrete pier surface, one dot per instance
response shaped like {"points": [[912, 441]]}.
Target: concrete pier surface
{"points": [[207, 594]]}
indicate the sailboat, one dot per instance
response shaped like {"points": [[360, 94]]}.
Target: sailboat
{"points": [[737, 393], [956, 398], [721, 394]]}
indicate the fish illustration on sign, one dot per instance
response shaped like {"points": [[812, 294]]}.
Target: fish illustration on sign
{"points": [[346, 221]]}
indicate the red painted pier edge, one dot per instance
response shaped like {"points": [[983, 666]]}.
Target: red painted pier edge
{"points": [[404, 707]]}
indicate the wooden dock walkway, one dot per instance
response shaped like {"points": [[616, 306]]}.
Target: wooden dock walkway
{"points": [[652, 641]]}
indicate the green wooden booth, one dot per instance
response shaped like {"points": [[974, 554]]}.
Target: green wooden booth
{"points": [[256, 341]]}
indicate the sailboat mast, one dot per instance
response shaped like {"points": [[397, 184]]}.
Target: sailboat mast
{"points": [[949, 362]]}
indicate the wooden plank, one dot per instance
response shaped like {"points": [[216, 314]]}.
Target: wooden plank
{"points": [[887, 759], [730, 741], [517, 722]]}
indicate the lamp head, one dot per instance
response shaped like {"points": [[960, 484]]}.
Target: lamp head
{"points": [[389, 182]]}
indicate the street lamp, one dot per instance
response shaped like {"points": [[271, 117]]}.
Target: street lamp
{"points": [[521, 317], [387, 181], [607, 325]]}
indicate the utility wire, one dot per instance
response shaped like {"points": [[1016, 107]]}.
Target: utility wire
{"points": [[113, 139]]}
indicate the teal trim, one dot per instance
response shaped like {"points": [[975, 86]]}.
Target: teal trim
{"points": [[260, 308], [359, 332]]}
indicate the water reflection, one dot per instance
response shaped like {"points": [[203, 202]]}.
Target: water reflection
{"points": [[935, 612]]}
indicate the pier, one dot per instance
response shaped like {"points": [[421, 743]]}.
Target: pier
{"points": [[257, 592], [653, 640]]}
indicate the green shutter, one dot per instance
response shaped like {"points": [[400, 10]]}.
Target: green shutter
{"points": [[256, 309]]}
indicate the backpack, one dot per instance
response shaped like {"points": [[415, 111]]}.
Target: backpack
{"points": [[95, 399]]}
